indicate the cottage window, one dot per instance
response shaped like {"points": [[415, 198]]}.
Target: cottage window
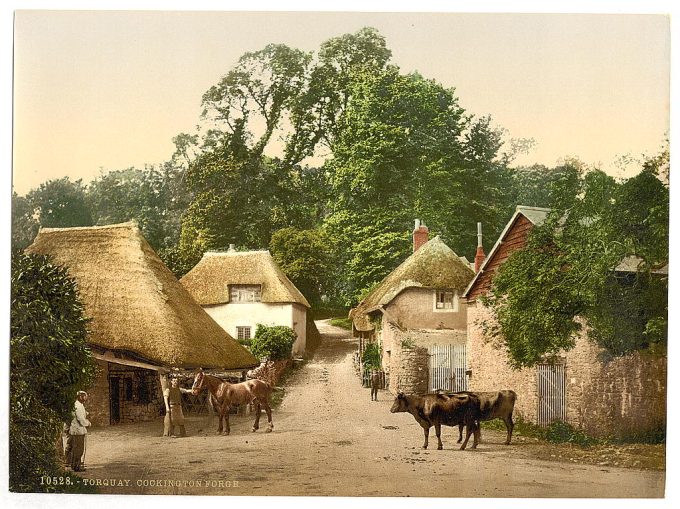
{"points": [[243, 333], [446, 300], [245, 293]]}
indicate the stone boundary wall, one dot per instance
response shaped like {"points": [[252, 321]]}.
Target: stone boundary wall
{"points": [[623, 396], [405, 357]]}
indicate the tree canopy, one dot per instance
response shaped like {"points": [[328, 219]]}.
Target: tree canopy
{"points": [[569, 269]]}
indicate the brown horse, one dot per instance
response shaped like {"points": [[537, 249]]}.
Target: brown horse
{"points": [[225, 395]]}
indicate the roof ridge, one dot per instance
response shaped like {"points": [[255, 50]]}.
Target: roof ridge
{"points": [[233, 253], [127, 224]]}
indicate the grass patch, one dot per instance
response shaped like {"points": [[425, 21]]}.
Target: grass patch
{"points": [[323, 313], [345, 323], [560, 432], [522, 428]]}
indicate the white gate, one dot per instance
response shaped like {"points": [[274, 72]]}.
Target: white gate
{"points": [[447, 365], [552, 400]]}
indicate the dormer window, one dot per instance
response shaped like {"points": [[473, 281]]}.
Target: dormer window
{"points": [[446, 300], [245, 293]]}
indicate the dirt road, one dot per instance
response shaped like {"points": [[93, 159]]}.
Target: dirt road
{"points": [[330, 439]]}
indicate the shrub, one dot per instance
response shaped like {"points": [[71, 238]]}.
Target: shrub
{"points": [[273, 342], [561, 432], [49, 363], [371, 356]]}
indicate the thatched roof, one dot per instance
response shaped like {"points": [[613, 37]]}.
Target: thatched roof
{"points": [[208, 282], [136, 304], [434, 265]]}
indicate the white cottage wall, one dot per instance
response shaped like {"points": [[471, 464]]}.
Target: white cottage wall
{"points": [[249, 314]]}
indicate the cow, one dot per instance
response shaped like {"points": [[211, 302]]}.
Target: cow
{"points": [[437, 409], [493, 405]]}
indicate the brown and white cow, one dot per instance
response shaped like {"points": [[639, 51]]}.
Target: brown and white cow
{"points": [[437, 409], [493, 405]]}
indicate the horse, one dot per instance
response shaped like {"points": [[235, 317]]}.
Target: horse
{"points": [[225, 394]]}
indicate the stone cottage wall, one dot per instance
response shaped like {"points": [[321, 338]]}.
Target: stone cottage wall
{"points": [[490, 370], [98, 396], [621, 396]]}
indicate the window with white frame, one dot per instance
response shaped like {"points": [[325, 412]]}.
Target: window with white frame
{"points": [[243, 333], [245, 293], [446, 300]]}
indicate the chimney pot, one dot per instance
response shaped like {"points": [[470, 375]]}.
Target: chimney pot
{"points": [[479, 255], [420, 235]]}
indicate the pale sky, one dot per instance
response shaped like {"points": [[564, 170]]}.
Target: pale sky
{"points": [[109, 90]]}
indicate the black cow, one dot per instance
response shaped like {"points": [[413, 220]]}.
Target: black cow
{"points": [[437, 409], [493, 405]]}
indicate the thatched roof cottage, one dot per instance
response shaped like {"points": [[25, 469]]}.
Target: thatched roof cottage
{"points": [[241, 289], [418, 317], [143, 320]]}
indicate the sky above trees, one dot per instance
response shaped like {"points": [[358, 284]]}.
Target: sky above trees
{"points": [[109, 90]]}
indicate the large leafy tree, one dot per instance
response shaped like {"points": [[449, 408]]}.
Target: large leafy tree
{"points": [[277, 94], [569, 269], [404, 150], [304, 255], [60, 203], [154, 197], [49, 362]]}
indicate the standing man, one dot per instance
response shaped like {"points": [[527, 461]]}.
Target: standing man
{"points": [[173, 409], [375, 384], [77, 432]]}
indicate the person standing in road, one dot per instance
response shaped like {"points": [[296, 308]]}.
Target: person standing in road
{"points": [[77, 433]]}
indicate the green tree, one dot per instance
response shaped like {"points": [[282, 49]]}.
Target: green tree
{"points": [[49, 363], [404, 150], [154, 197], [242, 196], [60, 203], [568, 271], [24, 225], [304, 256]]}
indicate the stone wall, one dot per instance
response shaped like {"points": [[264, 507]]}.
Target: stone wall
{"points": [[621, 396], [139, 393], [405, 356], [405, 361], [98, 397]]}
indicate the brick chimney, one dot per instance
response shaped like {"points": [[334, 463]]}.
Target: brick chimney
{"points": [[420, 235], [479, 255]]}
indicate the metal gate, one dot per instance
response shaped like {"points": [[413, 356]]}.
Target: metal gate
{"points": [[447, 365], [552, 400]]}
